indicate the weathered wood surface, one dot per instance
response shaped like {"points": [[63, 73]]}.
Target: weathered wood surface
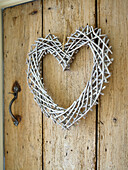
{"points": [[113, 108], [23, 144], [73, 149]]}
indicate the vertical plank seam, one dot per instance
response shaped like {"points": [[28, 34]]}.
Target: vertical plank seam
{"points": [[42, 114], [96, 135], [99, 100]]}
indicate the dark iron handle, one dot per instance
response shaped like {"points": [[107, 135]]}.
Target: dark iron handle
{"points": [[16, 90]]}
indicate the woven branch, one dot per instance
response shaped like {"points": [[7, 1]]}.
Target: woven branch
{"points": [[100, 73]]}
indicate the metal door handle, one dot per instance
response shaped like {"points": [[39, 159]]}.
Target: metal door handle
{"points": [[16, 89]]}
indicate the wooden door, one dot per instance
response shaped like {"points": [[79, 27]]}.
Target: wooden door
{"points": [[100, 140]]}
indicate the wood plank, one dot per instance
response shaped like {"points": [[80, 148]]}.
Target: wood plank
{"points": [[23, 144], [113, 108], [73, 149]]}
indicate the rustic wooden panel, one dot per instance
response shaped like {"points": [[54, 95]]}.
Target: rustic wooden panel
{"points": [[113, 108], [73, 149], [23, 144]]}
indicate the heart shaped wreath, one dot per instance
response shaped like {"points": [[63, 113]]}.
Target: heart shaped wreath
{"points": [[100, 73]]}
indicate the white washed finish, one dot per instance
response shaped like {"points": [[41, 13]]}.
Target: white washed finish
{"points": [[98, 44]]}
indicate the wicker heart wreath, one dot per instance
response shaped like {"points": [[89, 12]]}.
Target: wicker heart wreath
{"points": [[100, 73]]}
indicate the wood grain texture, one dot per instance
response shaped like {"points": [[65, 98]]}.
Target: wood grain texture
{"points": [[73, 149], [113, 108], [23, 144]]}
